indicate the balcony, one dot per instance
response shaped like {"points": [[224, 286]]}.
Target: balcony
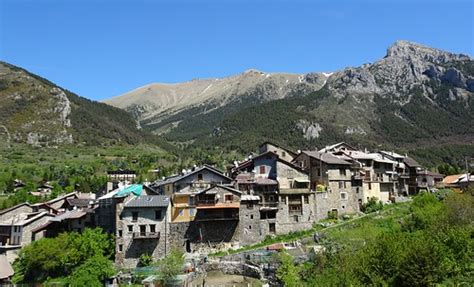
{"points": [[206, 202], [216, 217], [146, 235]]}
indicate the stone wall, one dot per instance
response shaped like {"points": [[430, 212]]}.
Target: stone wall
{"points": [[196, 235], [128, 248], [251, 227], [286, 221]]}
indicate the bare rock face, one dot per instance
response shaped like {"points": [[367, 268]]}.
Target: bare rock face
{"points": [[310, 130]]}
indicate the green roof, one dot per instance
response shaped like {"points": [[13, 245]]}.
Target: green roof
{"points": [[136, 189]]}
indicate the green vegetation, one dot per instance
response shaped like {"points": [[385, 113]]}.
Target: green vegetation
{"points": [[170, 266], [426, 243], [372, 205], [79, 258]]}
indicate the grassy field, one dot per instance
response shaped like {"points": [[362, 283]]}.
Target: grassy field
{"points": [[355, 230]]}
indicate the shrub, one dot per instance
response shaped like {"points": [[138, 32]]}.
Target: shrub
{"points": [[372, 205]]}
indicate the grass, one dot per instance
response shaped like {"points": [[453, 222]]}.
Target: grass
{"points": [[358, 229], [369, 227]]}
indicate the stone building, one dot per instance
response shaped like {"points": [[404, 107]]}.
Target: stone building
{"points": [[286, 202], [142, 228], [282, 152], [331, 179]]}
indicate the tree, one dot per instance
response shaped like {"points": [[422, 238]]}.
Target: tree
{"points": [[170, 266], [93, 272], [60, 256], [288, 272]]}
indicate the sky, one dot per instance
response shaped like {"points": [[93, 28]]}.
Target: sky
{"points": [[99, 49]]}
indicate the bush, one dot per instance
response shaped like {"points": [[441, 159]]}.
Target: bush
{"points": [[372, 205], [145, 260]]}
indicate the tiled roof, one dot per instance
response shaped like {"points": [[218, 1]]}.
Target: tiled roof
{"points": [[148, 201]]}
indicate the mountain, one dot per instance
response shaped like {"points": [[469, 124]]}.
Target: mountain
{"points": [[415, 96], [36, 111], [160, 107]]}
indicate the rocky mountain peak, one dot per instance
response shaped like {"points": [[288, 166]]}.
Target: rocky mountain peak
{"points": [[402, 49]]}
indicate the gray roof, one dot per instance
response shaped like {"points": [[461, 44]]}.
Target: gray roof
{"points": [[411, 162], [175, 178], [6, 269], [149, 201], [326, 157]]}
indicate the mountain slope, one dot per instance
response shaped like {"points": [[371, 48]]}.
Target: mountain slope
{"points": [[415, 96], [160, 107], [36, 111]]}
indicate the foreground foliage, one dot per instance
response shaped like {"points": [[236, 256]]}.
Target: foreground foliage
{"points": [[84, 257], [433, 245]]}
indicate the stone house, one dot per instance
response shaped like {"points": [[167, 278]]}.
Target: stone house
{"points": [[286, 202], [282, 152], [115, 177], [183, 188], [401, 172], [428, 180], [142, 228], [379, 176], [413, 167], [331, 180]]}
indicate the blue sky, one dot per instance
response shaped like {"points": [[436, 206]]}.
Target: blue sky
{"points": [[99, 49]]}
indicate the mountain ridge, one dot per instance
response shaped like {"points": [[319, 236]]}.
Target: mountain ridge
{"points": [[36, 111], [415, 94]]}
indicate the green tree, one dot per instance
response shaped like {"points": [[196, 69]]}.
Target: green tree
{"points": [[93, 272], [288, 272], [170, 266]]}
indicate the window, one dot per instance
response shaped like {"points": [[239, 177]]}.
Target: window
{"points": [[370, 185], [142, 229], [262, 169], [341, 184], [357, 190], [283, 154], [283, 199], [342, 172], [295, 218], [229, 197], [199, 176], [120, 247], [271, 227], [157, 214], [152, 228], [306, 199], [271, 198], [120, 233], [318, 172], [135, 216], [130, 228], [192, 212], [345, 184], [251, 216], [250, 205], [181, 212], [343, 195], [250, 226]]}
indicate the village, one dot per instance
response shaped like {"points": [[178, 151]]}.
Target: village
{"points": [[204, 210]]}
